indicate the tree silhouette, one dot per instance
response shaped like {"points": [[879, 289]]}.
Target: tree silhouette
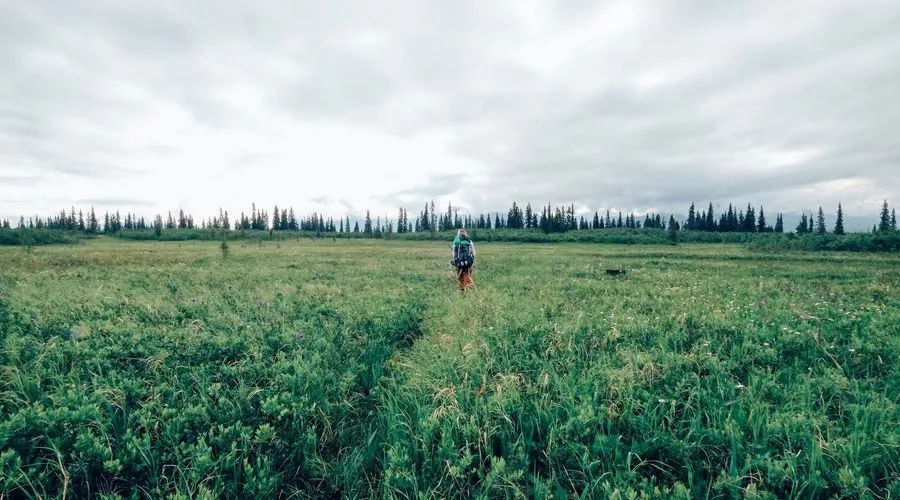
{"points": [[839, 223], [761, 223], [672, 230], [820, 222], [802, 227]]}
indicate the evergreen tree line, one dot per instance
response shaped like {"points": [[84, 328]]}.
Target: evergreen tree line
{"points": [[549, 219], [79, 221], [749, 222], [732, 221]]}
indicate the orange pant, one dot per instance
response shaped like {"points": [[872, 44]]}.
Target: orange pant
{"points": [[464, 276]]}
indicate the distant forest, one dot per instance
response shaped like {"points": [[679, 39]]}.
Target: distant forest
{"points": [[547, 219]]}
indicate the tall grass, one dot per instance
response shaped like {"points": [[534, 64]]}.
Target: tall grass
{"points": [[353, 368], [853, 242]]}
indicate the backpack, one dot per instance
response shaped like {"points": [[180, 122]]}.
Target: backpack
{"points": [[462, 254]]}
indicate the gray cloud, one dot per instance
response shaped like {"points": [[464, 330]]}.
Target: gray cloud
{"points": [[637, 105]]}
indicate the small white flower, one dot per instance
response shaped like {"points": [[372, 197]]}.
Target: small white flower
{"points": [[852, 350], [740, 386], [662, 400], [766, 344]]}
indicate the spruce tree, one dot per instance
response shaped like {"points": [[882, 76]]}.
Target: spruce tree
{"points": [[885, 222], [367, 226], [839, 223], [802, 227], [761, 223], [779, 224], [750, 220], [820, 222], [449, 222], [432, 225], [672, 230], [92, 221], [893, 219], [426, 219]]}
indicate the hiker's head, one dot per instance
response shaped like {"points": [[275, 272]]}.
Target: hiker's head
{"points": [[462, 232]]}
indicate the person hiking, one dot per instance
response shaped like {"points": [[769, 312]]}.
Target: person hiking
{"points": [[463, 258]]}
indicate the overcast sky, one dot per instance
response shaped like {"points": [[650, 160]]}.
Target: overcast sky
{"points": [[342, 106]]}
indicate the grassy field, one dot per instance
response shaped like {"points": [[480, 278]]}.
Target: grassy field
{"points": [[354, 368]]}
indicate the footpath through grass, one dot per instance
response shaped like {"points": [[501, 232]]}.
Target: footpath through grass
{"points": [[353, 368]]}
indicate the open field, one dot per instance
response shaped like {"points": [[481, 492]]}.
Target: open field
{"points": [[354, 368]]}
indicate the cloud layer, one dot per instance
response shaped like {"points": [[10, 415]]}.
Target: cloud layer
{"points": [[343, 106]]}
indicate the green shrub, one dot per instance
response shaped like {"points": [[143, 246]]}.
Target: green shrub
{"points": [[26, 237], [852, 242]]}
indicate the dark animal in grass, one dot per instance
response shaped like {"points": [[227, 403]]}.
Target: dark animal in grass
{"points": [[616, 272]]}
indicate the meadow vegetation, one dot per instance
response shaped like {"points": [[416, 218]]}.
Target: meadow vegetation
{"points": [[344, 367], [32, 237], [888, 241]]}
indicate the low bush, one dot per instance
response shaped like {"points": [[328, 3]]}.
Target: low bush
{"points": [[25, 237]]}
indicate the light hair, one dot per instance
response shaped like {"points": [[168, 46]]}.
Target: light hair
{"points": [[462, 232]]}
